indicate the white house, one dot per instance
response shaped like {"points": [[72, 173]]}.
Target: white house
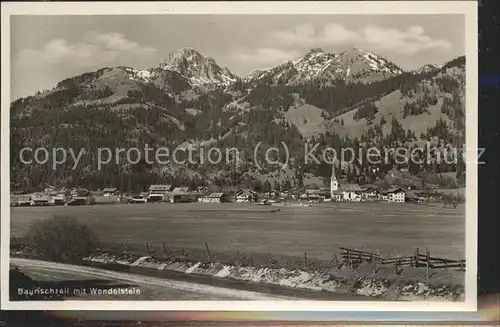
{"points": [[351, 192], [396, 194]]}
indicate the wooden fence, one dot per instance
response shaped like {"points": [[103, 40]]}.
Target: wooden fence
{"points": [[351, 257]]}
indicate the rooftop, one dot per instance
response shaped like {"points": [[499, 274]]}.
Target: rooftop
{"points": [[160, 187], [350, 188], [215, 195]]}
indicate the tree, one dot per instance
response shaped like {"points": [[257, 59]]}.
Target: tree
{"points": [[62, 238], [266, 186], [277, 186], [257, 185]]}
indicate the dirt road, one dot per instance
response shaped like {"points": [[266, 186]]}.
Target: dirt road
{"points": [[85, 283]]}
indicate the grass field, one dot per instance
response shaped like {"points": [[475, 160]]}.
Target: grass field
{"points": [[320, 230]]}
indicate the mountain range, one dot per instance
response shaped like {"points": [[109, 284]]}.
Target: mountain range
{"points": [[188, 99]]}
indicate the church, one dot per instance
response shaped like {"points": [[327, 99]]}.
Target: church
{"points": [[345, 192]]}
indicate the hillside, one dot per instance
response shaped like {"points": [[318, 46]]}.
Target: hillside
{"points": [[424, 105], [190, 100], [317, 65]]}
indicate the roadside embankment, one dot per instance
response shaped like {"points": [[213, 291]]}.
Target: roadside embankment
{"points": [[337, 280], [361, 281]]}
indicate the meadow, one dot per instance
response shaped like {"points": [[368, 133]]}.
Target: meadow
{"points": [[391, 229]]}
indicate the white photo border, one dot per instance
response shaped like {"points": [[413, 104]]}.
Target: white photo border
{"points": [[466, 8]]}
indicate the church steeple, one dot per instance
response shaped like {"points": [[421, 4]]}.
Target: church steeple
{"points": [[334, 185]]}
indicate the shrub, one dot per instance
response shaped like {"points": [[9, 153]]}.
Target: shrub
{"points": [[62, 238]]}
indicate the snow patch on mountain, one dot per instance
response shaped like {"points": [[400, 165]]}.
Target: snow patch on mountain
{"points": [[320, 65], [141, 75], [427, 68]]}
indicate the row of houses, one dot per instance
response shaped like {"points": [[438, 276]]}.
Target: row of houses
{"points": [[168, 193], [48, 200]]}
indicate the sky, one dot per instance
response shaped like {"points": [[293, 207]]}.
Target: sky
{"points": [[47, 49]]}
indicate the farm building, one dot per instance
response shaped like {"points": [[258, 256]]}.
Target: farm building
{"points": [[41, 201], [110, 191], [311, 195], [246, 195], [59, 199], [183, 198], [181, 195], [158, 192], [215, 198], [78, 201]]}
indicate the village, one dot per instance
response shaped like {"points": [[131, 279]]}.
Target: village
{"points": [[337, 192]]}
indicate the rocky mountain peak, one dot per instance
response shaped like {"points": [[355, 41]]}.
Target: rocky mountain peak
{"points": [[318, 64], [198, 69], [427, 68], [314, 51]]}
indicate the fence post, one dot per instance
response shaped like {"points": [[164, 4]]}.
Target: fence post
{"points": [[147, 247], [336, 261], [348, 259], [270, 259], [461, 265], [208, 253], [164, 248], [417, 256], [305, 259], [427, 262], [446, 264]]}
